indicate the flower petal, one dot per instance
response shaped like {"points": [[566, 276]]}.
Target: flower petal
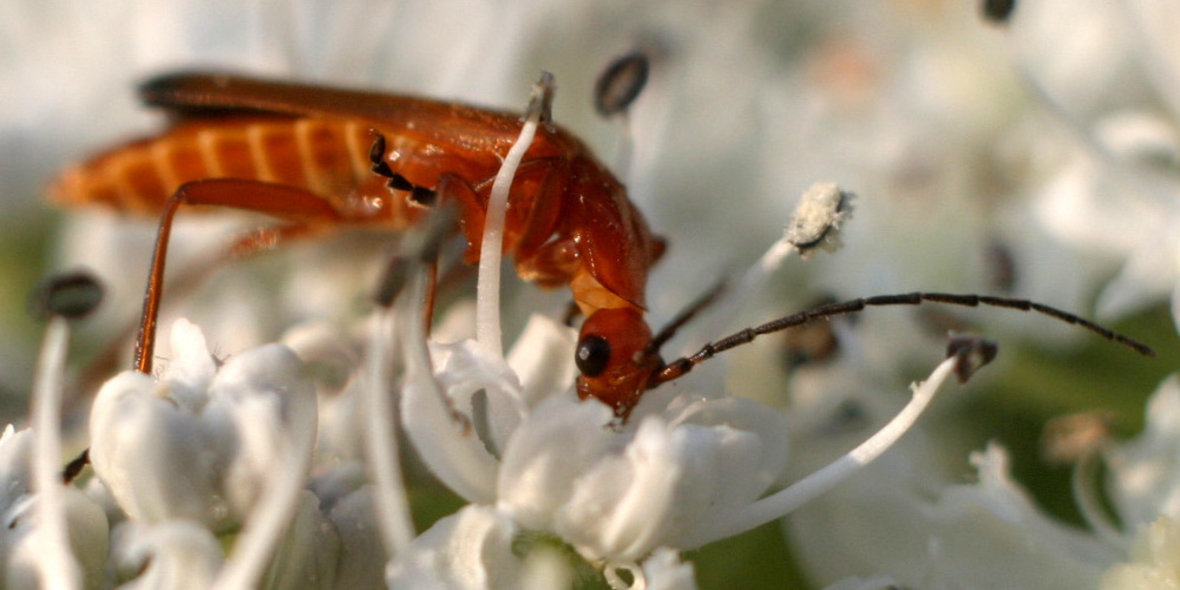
{"points": [[542, 461], [543, 358], [466, 368], [261, 394], [1144, 481], [470, 550], [171, 554], [664, 570], [156, 459]]}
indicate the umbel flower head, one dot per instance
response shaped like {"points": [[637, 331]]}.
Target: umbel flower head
{"points": [[893, 99]]}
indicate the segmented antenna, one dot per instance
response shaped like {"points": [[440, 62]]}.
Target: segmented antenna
{"points": [[669, 331], [681, 366]]}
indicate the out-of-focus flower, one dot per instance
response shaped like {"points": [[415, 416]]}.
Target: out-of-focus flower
{"points": [[466, 551], [20, 549], [1109, 185], [899, 518], [1153, 560]]}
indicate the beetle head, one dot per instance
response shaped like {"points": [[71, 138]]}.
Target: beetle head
{"points": [[614, 359]]}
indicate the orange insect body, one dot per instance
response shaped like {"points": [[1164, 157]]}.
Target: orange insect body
{"points": [[568, 222], [326, 157]]}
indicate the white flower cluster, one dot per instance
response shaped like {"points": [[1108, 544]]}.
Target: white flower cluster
{"points": [[209, 451], [278, 466], [209, 448]]}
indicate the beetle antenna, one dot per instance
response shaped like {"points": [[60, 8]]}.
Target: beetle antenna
{"points": [[679, 367], [669, 330]]}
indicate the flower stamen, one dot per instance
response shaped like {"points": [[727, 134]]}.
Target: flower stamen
{"points": [[815, 223], [58, 567], [381, 420], [487, 310]]}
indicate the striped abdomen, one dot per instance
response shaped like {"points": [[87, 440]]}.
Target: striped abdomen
{"points": [[328, 157]]}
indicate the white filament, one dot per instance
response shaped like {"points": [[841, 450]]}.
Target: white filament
{"points": [[58, 568], [391, 504], [807, 489], [276, 506], [487, 298]]}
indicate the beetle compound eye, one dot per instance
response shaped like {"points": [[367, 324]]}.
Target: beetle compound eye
{"points": [[592, 356]]}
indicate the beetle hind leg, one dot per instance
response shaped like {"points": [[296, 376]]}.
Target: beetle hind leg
{"points": [[302, 209]]}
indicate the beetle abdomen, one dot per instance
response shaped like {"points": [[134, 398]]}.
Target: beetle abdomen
{"points": [[327, 157]]}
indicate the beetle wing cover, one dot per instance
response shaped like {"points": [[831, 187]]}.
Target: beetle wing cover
{"points": [[190, 93], [614, 240]]}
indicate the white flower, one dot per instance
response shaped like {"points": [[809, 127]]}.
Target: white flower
{"points": [[1145, 472], [678, 477], [200, 441], [216, 445], [620, 495], [930, 534]]}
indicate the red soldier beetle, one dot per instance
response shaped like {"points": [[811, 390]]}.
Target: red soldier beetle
{"points": [[319, 158]]}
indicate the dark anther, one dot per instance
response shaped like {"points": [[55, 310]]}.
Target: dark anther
{"points": [[971, 354], [998, 11], [1001, 266], [620, 84], [75, 466], [593, 355], [71, 295]]}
